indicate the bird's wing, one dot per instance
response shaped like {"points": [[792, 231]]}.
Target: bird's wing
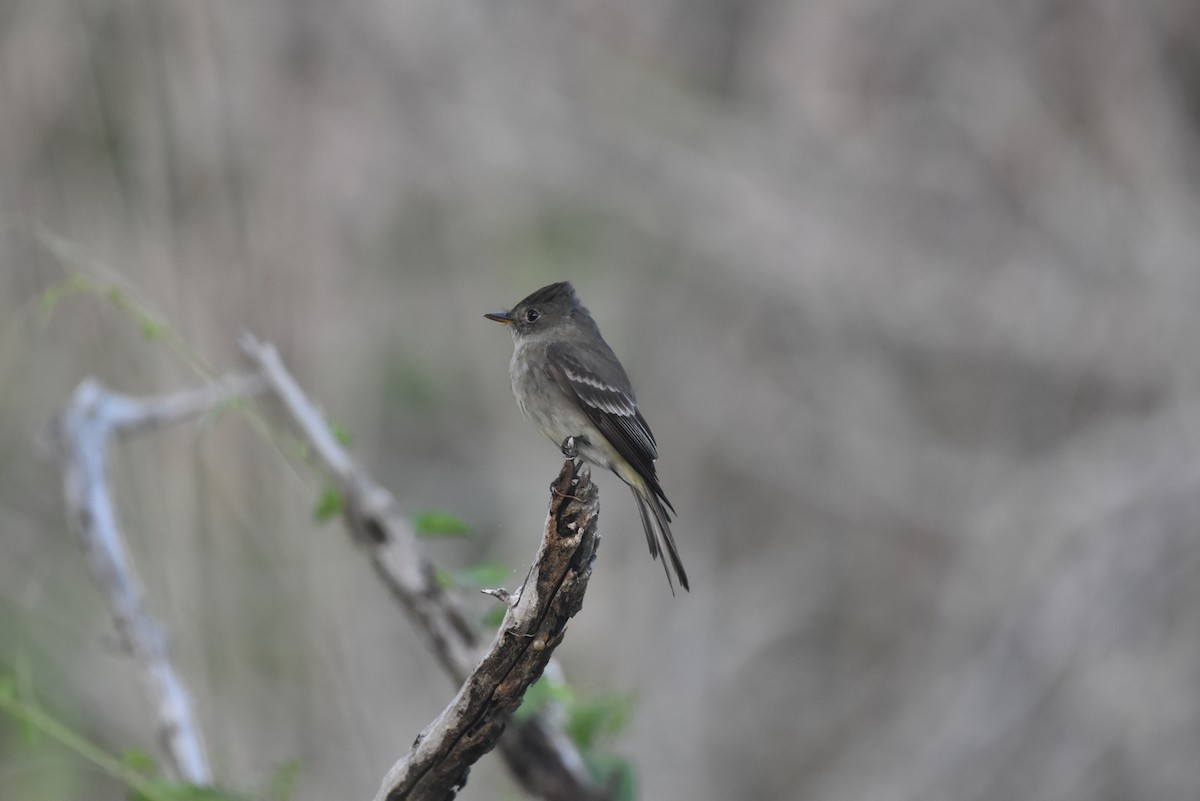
{"points": [[611, 407]]}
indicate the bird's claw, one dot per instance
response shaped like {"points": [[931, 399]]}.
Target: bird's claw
{"points": [[569, 448]]}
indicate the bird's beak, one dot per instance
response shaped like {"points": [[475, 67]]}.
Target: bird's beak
{"points": [[501, 317]]}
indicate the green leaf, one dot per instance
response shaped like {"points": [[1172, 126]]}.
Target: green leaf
{"points": [[542, 692], [56, 292], [437, 523], [43, 724], [153, 329], [487, 574], [494, 618], [615, 772], [13, 704], [341, 434], [329, 505], [588, 721], [140, 761]]}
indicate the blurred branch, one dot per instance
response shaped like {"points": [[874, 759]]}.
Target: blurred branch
{"points": [[539, 754], [93, 415], [375, 519]]}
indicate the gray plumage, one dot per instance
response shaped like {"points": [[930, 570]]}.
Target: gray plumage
{"points": [[569, 383]]}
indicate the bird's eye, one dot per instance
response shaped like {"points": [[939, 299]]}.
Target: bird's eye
{"points": [[532, 315]]}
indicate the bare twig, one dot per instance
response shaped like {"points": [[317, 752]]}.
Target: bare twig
{"points": [[539, 754], [84, 431]]}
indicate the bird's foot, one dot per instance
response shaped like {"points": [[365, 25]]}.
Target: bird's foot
{"points": [[568, 443], [570, 448]]}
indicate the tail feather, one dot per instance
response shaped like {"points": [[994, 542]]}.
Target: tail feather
{"points": [[649, 504]]}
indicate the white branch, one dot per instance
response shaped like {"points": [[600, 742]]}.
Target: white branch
{"points": [[85, 429]]}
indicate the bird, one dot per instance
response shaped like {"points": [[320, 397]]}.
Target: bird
{"points": [[570, 384]]}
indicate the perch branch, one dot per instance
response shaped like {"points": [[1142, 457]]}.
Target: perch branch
{"points": [[470, 726], [84, 430], [539, 754]]}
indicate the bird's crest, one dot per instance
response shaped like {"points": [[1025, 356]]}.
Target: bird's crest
{"points": [[562, 292]]}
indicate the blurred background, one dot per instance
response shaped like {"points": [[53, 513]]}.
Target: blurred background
{"points": [[908, 290]]}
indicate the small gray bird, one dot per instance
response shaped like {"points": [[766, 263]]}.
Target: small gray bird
{"points": [[569, 383]]}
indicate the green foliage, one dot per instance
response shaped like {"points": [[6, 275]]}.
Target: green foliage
{"points": [[438, 523], [591, 725], [139, 761], [8, 696], [29, 714], [543, 691], [329, 504], [494, 617], [613, 771], [123, 297], [135, 768], [76, 284], [589, 721], [484, 574], [341, 434]]}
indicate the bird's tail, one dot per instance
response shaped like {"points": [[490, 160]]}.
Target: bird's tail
{"points": [[656, 520]]}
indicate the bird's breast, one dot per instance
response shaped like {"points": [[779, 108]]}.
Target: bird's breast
{"points": [[541, 399]]}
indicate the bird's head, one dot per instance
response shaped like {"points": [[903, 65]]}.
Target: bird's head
{"points": [[541, 311]]}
